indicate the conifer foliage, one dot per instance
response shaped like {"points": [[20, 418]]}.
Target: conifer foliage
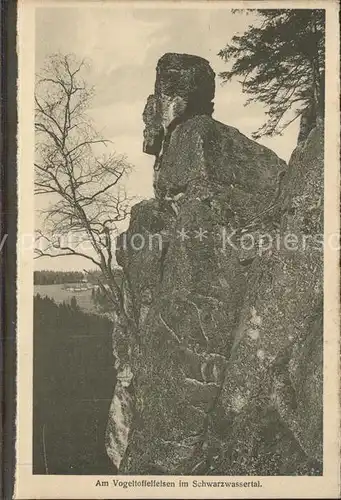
{"points": [[281, 64]]}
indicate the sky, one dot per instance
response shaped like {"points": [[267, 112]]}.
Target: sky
{"points": [[123, 44]]}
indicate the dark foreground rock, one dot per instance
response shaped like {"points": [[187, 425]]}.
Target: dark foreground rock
{"points": [[224, 374]]}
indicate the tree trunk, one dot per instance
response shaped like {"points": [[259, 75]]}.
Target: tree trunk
{"points": [[318, 76]]}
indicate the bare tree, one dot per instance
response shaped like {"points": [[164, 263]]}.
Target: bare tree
{"points": [[78, 171]]}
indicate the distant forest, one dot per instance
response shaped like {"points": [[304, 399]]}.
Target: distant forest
{"points": [[47, 277], [74, 380]]}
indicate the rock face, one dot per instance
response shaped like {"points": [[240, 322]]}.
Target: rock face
{"points": [[225, 357]]}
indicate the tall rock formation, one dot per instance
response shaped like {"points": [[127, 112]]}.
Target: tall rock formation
{"points": [[222, 372]]}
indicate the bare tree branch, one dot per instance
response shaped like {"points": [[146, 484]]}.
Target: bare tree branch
{"points": [[83, 184]]}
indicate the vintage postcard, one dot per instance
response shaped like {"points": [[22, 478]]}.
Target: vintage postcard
{"points": [[178, 250]]}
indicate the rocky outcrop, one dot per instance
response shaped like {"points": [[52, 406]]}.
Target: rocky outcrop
{"points": [[223, 281], [307, 122]]}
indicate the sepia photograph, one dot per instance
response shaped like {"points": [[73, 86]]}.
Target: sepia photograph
{"points": [[179, 247]]}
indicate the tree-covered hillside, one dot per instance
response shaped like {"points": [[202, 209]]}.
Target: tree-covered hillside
{"points": [[74, 380]]}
